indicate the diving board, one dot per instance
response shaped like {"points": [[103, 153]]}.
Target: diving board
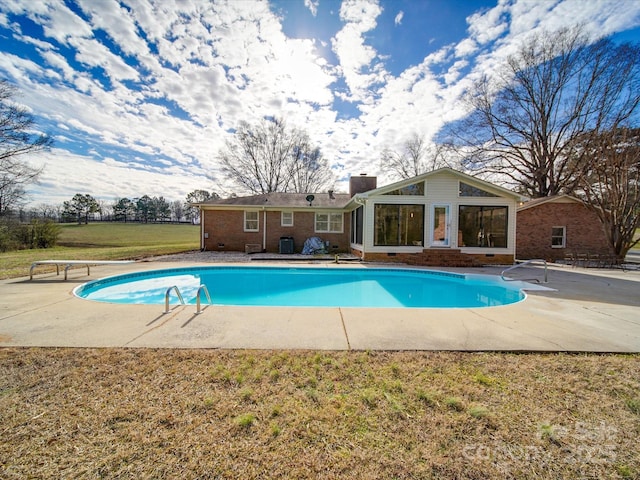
{"points": [[69, 263]]}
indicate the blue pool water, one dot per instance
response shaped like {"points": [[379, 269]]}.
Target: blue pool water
{"points": [[309, 287]]}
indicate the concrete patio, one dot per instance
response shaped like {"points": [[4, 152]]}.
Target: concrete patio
{"points": [[588, 310]]}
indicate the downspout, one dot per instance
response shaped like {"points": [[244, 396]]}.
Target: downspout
{"points": [[203, 247], [264, 229]]}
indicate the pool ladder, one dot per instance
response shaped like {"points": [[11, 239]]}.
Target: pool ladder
{"points": [[522, 264], [202, 288]]}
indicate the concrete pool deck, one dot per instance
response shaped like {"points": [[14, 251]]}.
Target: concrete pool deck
{"points": [[588, 310]]}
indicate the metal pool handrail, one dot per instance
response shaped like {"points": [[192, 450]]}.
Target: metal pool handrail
{"points": [[523, 264], [206, 292], [166, 298]]}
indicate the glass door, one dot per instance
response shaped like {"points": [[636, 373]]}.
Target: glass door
{"points": [[440, 226]]}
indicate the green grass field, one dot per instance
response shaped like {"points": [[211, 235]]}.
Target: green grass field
{"points": [[106, 241], [128, 235]]}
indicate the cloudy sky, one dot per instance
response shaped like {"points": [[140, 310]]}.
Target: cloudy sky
{"points": [[140, 95]]}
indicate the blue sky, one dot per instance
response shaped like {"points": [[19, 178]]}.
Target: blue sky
{"points": [[141, 95]]}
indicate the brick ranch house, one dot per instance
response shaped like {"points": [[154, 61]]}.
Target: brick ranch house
{"points": [[554, 227], [443, 217], [256, 223]]}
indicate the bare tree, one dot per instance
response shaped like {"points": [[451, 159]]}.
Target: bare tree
{"points": [[177, 210], [16, 140], [105, 210], [269, 157], [12, 194], [416, 157], [612, 185], [308, 169], [527, 116], [47, 211]]}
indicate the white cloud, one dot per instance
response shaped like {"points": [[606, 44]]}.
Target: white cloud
{"points": [[498, 31], [95, 54], [354, 55], [59, 22], [466, 47], [487, 26], [181, 73], [273, 71], [312, 6], [118, 23], [420, 101], [19, 69], [109, 179], [59, 63]]}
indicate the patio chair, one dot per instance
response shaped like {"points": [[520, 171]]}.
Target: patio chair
{"points": [[582, 260], [570, 259]]}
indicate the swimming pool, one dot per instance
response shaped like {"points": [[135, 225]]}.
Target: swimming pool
{"points": [[307, 287]]}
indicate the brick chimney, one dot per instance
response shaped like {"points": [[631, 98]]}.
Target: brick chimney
{"points": [[361, 184]]}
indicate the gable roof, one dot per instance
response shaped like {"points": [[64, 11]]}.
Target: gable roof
{"points": [[281, 200], [551, 199], [491, 187]]}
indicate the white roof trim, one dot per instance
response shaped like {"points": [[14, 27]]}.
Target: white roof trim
{"points": [[463, 176], [535, 202]]}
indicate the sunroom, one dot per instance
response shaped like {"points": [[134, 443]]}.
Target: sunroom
{"points": [[443, 211]]}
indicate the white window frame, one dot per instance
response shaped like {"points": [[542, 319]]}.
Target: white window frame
{"points": [[564, 236], [331, 220], [284, 223], [247, 228]]}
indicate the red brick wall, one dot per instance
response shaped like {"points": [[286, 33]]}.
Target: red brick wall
{"points": [[440, 257], [226, 231], [584, 231], [303, 228], [227, 227]]}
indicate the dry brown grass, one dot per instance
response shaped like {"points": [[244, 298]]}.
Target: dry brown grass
{"points": [[105, 413]]}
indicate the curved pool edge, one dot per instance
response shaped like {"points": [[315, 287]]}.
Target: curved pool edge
{"points": [[477, 279], [607, 302]]}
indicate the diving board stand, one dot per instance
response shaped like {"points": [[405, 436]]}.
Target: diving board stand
{"points": [[70, 263]]}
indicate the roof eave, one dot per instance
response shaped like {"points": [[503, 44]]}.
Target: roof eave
{"points": [[402, 183], [546, 200]]}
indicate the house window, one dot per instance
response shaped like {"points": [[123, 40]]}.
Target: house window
{"points": [[286, 220], [467, 190], [558, 237], [251, 223], [399, 225], [357, 225], [440, 223], [413, 189], [329, 222], [483, 226]]}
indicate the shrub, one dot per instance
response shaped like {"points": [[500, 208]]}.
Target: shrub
{"points": [[9, 234], [45, 233], [19, 236], [5, 237]]}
